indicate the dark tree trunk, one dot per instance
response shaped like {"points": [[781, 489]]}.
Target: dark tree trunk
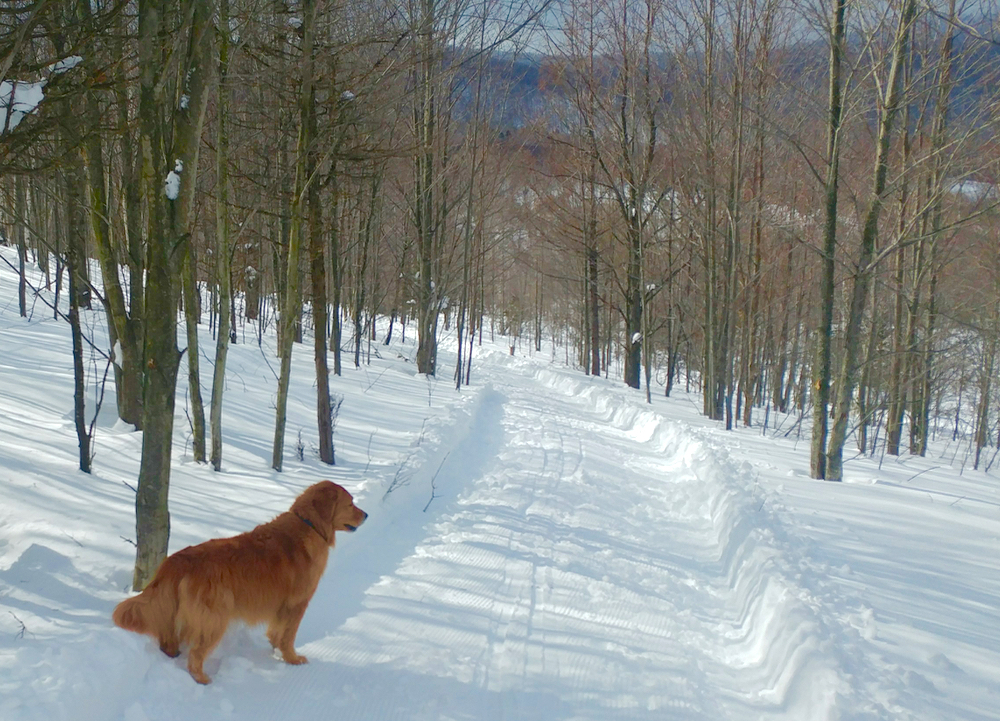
{"points": [[192, 312], [75, 258], [20, 210]]}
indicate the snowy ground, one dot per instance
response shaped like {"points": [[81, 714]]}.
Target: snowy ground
{"points": [[540, 546]]}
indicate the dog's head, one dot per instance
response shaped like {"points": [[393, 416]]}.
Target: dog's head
{"points": [[329, 508]]}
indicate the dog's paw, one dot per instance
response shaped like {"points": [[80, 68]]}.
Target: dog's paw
{"points": [[171, 651], [295, 659], [201, 677]]}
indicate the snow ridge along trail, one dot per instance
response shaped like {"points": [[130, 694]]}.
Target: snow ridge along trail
{"points": [[584, 558]]}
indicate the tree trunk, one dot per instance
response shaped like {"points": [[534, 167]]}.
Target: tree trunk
{"points": [[20, 219], [75, 257], [824, 343], [985, 384], [192, 313], [317, 273], [169, 214], [924, 360], [848, 370], [222, 251], [124, 321], [290, 309]]}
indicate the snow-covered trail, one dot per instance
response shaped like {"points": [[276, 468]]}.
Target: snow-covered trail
{"points": [[549, 548], [581, 559]]}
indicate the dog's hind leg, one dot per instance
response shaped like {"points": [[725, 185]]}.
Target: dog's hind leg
{"points": [[207, 639], [281, 633], [171, 646]]}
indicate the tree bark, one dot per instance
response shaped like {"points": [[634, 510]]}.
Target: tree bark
{"points": [[76, 256], [425, 205], [20, 219], [822, 368], [192, 313], [292, 301], [317, 273], [848, 370], [222, 251], [161, 118]]}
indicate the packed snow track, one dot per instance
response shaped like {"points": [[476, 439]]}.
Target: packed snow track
{"points": [[546, 549], [580, 558]]}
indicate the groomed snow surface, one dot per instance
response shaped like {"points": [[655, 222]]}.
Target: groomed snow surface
{"points": [[542, 545]]}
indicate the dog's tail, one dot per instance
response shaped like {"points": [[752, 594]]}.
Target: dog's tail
{"points": [[152, 612]]}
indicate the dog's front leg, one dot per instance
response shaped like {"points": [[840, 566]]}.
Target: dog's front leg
{"points": [[281, 633]]}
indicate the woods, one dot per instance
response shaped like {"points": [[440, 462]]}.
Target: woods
{"points": [[790, 209]]}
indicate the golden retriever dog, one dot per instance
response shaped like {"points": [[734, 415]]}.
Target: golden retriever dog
{"points": [[267, 575]]}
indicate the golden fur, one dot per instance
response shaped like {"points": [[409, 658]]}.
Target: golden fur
{"points": [[267, 575]]}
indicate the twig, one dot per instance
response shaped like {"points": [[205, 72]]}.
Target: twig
{"points": [[398, 482], [433, 486], [97, 411], [921, 473], [372, 384], [130, 487], [20, 634], [368, 465], [128, 540]]}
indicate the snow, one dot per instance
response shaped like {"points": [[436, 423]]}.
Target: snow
{"points": [[347, 96], [18, 99], [172, 185], [185, 100], [974, 189], [65, 64], [542, 545]]}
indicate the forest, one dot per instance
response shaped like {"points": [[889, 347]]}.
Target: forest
{"points": [[789, 207]]}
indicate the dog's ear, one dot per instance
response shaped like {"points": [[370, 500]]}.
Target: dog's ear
{"points": [[325, 501], [318, 504]]}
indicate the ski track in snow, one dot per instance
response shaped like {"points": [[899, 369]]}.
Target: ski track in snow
{"points": [[544, 546]]}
